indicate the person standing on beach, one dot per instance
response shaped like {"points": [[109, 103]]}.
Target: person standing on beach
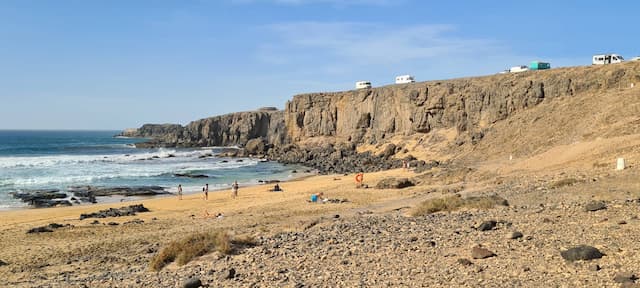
{"points": [[235, 187], [206, 191], [179, 191]]}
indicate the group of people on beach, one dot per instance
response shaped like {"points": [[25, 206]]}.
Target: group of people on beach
{"points": [[205, 191]]}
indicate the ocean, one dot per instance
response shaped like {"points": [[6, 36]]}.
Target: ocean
{"points": [[31, 160]]}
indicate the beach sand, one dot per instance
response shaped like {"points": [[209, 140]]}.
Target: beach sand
{"points": [[370, 240], [84, 248]]}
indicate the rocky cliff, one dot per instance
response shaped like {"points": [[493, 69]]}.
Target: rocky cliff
{"points": [[372, 115], [469, 105], [225, 130]]}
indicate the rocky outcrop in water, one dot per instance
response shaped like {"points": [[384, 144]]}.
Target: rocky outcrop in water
{"points": [[43, 197], [96, 191]]}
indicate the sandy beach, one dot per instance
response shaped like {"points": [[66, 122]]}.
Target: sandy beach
{"points": [[551, 218]]}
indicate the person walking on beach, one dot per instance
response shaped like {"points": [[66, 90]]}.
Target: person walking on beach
{"points": [[179, 191], [235, 187], [205, 190]]}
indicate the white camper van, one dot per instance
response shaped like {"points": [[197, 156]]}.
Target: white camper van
{"points": [[363, 84], [516, 69], [402, 79], [606, 59]]}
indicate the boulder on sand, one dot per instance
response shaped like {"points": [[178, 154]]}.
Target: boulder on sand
{"points": [[394, 183]]}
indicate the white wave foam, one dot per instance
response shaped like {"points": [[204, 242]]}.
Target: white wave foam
{"points": [[58, 160]]}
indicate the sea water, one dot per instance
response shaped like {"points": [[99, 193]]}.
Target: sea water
{"points": [[31, 160]]}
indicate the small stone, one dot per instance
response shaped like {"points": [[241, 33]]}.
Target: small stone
{"points": [[95, 222], [481, 253], [193, 282], [625, 278], [413, 238], [515, 235], [487, 225], [622, 222], [595, 206], [336, 216], [113, 223], [582, 252], [465, 262], [39, 230], [594, 267], [2, 263], [229, 274]]}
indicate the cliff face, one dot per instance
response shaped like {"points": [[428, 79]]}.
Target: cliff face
{"points": [[226, 130], [234, 129], [470, 104], [371, 115]]}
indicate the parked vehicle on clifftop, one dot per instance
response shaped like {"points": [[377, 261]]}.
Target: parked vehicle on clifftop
{"points": [[516, 69], [403, 79], [538, 65], [363, 84], [602, 59]]}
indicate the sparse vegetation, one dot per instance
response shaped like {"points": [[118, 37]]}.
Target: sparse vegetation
{"points": [[452, 203], [198, 244], [563, 182]]}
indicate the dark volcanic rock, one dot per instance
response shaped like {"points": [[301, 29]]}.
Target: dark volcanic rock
{"points": [[2, 263], [481, 253], [113, 212], [394, 183], [43, 197], [595, 206], [515, 235], [48, 228], [39, 230], [92, 191], [582, 252], [191, 175], [193, 282], [487, 225]]}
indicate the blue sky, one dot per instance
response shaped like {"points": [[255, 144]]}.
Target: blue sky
{"points": [[118, 64]]}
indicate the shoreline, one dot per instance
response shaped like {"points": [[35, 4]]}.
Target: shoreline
{"points": [[171, 192]]}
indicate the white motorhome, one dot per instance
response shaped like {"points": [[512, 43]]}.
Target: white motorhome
{"points": [[363, 84], [602, 59], [402, 79], [516, 69]]}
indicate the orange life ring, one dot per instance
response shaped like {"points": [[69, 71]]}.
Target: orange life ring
{"points": [[359, 177]]}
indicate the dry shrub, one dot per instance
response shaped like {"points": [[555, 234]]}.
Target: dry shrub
{"points": [[194, 245], [563, 182], [452, 203], [436, 205], [246, 241]]}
